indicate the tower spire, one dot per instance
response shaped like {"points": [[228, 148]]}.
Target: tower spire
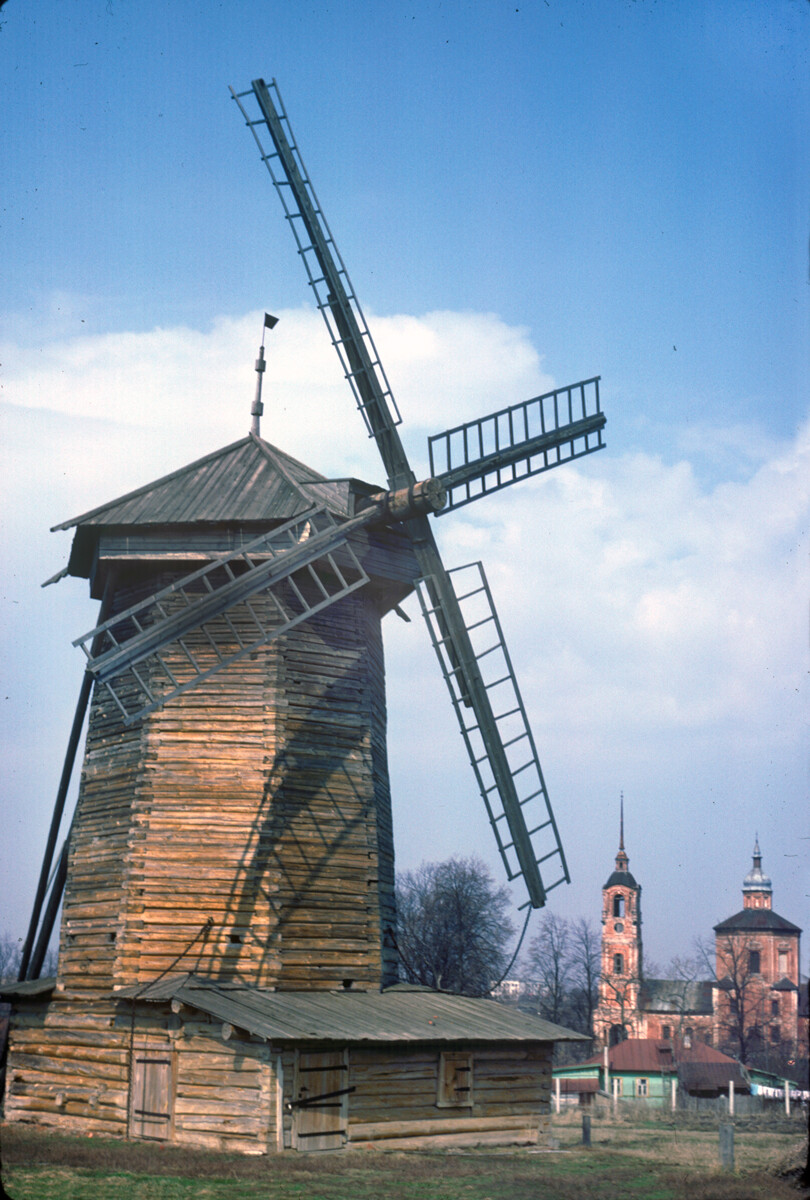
{"points": [[621, 820], [621, 857]]}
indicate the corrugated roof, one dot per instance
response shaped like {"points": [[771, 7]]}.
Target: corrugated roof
{"points": [[572, 1087], [654, 1054], [28, 988], [395, 1015], [753, 920], [712, 1076], [249, 480], [676, 996]]}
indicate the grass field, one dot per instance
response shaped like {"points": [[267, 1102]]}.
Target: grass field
{"points": [[638, 1160]]}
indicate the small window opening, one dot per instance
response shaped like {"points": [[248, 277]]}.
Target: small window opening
{"points": [[754, 962], [455, 1087], [618, 964], [618, 906], [666, 1032]]}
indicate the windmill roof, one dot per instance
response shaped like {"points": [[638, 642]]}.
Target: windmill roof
{"points": [[250, 480], [400, 1013], [756, 920]]}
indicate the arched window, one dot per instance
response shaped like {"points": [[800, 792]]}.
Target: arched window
{"points": [[618, 964], [618, 906]]}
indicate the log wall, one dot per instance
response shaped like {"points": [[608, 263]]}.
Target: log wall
{"points": [[394, 1102], [70, 1069], [259, 799]]}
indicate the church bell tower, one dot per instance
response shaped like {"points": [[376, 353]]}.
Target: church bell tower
{"points": [[617, 1016]]}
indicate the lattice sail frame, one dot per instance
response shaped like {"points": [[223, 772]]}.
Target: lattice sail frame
{"points": [[495, 667], [309, 226], [525, 439], [303, 566]]}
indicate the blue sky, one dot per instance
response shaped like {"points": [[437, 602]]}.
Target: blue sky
{"points": [[525, 195]]}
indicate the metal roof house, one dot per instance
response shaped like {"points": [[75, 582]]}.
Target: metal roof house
{"points": [[645, 1068]]}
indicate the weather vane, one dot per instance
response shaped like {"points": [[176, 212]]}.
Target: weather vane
{"points": [[256, 411]]}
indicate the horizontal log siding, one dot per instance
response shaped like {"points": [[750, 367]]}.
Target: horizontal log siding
{"points": [[260, 799], [225, 1091], [68, 1068], [395, 1095]]}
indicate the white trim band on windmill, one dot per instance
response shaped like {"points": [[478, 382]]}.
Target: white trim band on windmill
{"points": [[257, 410]]}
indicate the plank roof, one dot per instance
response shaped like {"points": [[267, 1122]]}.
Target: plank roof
{"points": [[250, 480], [401, 1013]]}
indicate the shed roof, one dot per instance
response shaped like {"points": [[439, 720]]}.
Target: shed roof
{"points": [[250, 480], [712, 1076], [401, 1013], [575, 1087]]}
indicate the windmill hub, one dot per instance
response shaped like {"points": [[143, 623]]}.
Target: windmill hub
{"points": [[428, 496]]}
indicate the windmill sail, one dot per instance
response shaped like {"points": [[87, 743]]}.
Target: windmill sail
{"points": [[506, 767], [492, 452], [304, 566], [449, 631]]}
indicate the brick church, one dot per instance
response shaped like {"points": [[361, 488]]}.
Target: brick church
{"points": [[753, 1000]]}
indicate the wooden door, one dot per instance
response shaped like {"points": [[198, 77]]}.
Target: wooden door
{"points": [[320, 1099], [151, 1112]]}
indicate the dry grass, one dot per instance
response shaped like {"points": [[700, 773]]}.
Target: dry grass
{"points": [[638, 1161]]}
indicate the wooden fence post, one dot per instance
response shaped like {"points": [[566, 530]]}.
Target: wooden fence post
{"points": [[787, 1098], [586, 1129], [557, 1095], [731, 1097], [727, 1147]]}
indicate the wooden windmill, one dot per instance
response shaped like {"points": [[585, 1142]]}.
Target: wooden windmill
{"points": [[234, 812]]}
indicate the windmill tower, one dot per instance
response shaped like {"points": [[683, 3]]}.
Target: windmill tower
{"points": [[234, 808]]}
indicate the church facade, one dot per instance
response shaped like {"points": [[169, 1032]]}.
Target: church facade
{"points": [[752, 1001]]}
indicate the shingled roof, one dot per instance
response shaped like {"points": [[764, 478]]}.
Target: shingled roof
{"points": [[250, 480]]}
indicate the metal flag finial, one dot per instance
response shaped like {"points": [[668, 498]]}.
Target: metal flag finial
{"points": [[256, 411]]}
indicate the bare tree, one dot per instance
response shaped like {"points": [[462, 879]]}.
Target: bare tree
{"points": [[585, 956], [452, 929], [548, 963], [11, 953], [736, 970]]}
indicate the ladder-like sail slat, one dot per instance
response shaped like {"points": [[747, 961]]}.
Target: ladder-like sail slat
{"points": [[514, 793], [205, 619], [492, 452]]}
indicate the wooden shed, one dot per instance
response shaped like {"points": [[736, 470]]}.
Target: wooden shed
{"points": [[226, 1066]]}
